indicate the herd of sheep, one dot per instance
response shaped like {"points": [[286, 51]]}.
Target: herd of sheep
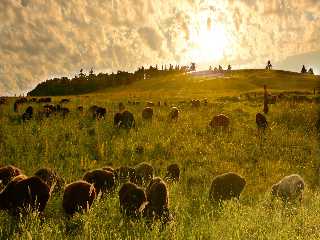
{"points": [[141, 194]]}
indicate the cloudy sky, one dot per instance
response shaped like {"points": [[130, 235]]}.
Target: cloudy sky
{"points": [[43, 39]]}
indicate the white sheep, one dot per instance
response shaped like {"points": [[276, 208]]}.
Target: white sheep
{"points": [[289, 188]]}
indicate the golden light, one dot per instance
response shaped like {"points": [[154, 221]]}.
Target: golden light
{"points": [[208, 43]]}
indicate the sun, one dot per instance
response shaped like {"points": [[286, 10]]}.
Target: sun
{"points": [[208, 44]]}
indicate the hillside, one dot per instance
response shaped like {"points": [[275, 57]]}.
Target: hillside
{"points": [[230, 83]]}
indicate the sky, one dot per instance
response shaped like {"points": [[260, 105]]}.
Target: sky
{"points": [[45, 39]]}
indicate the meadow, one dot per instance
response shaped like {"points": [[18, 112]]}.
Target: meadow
{"points": [[77, 143]]}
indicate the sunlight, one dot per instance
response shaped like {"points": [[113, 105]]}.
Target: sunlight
{"points": [[209, 45]]}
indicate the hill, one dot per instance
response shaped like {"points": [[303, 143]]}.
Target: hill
{"points": [[229, 83], [168, 84]]}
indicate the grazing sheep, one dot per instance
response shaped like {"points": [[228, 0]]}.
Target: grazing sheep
{"points": [[147, 113], [27, 115], [173, 172], [8, 172], [261, 121], [289, 188], [132, 200], [23, 192], [102, 180], [124, 120], [226, 187], [51, 178], [174, 113], [220, 121], [78, 196], [158, 200], [143, 174], [100, 112]]}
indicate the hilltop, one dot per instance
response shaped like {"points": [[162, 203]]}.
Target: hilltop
{"points": [[180, 84], [229, 83]]}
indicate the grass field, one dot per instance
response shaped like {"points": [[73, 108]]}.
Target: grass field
{"points": [[76, 144]]}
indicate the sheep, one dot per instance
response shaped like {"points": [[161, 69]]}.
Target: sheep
{"points": [[226, 186], [261, 121], [8, 172], [143, 174], [289, 188], [51, 178], [220, 120], [132, 200], [103, 181], [124, 120], [147, 113], [158, 200], [23, 192], [64, 100], [173, 172], [78, 196], [27, 115], [174, 113], [100, 112]]}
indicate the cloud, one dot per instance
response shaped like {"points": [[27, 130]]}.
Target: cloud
{"points": [[40, 39]]}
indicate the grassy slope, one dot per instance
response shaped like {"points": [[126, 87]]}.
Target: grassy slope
{"points": [[77, 144], [231, 83]]}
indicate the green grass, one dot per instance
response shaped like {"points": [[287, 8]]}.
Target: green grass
{"points": [[77, 143]]}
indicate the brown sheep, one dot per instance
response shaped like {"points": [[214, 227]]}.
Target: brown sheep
{"points": [[147, 113], [8, 172], [158, 200], [220, 121], [143, 174], [78, 196], [226, 187], [173, 172], [124, 120], [289, 188], [23, 192], [51, 178], [261, 121], [132, 200], [102, 180], [174, 113]]}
